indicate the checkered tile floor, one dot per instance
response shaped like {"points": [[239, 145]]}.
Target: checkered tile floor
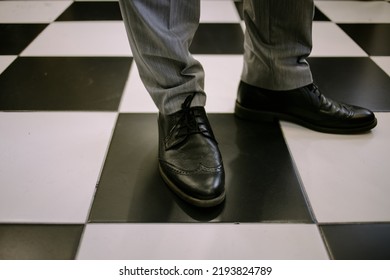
{"points": [[78, 145]]}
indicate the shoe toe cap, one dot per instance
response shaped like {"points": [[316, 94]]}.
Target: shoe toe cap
{"points": [[363, 117], [203, 185], [363, 114], [200, 187]]}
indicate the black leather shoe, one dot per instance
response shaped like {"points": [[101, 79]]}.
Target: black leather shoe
{"points": [[189, 158], [305, 106]]}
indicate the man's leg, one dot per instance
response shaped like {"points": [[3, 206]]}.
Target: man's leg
{"points": [[277, 43], [276, 81], [160, 33]]}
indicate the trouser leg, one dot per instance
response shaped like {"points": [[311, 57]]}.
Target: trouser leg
{"points": [[160, 33], [278, 40]]}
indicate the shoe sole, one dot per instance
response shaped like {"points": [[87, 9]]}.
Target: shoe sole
{"points": [[205, 203], [262, 116]]}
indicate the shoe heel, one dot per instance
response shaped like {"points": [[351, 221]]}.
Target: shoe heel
{"points": [[253, 115]]}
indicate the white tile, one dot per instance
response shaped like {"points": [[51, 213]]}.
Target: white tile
{"points": [[331, 40], [219, 12], [201, 241], [135, 97], [50, 164], [383, 62], [221, 82], [356, 11], [96, 38], [5, 61], [222, 76], [31, 11], [345, 176], [243, 26]]}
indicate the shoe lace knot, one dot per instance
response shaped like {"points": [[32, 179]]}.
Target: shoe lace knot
{"points": [[190, 121]]}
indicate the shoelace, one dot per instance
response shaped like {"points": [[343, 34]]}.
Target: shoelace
{"points": [[328, 105], [190, 122]]}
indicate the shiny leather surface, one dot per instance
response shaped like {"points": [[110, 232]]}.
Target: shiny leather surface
{"points": [[189, 158], [305, 106]]}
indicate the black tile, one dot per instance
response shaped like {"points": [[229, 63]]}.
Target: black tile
{"points": [[355, 80], [358, 241], [374, 39], [39, 242], [261, 181], [215, 38], [16, 37], [80, 11], [64, 83], [319, 16]]}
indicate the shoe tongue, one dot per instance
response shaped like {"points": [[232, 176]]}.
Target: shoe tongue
{"points": [[186, 124], [189, 123]]}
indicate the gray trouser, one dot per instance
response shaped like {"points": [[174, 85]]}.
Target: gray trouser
{"points": [[277, 43]]}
